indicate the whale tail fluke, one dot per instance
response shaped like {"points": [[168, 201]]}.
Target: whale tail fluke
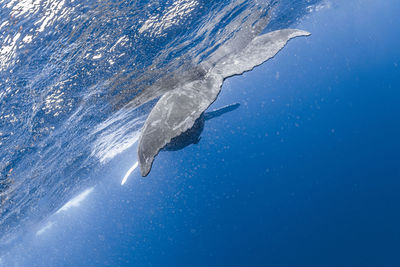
{"points": [[177, 110], [259, 50]]}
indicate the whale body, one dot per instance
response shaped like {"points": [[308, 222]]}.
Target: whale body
{"points": [[192, 135], [180, 108]]}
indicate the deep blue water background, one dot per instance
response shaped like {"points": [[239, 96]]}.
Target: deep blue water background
{"points": [[305, 173]]}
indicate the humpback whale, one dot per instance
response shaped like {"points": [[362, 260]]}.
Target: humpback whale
{"points": [[180, 108]]}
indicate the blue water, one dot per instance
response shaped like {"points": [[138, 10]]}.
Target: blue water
{"points": [[306, 172]]}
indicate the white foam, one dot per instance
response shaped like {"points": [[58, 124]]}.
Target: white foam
{"points": [[174, 15], [116, 135], [97, 56]]}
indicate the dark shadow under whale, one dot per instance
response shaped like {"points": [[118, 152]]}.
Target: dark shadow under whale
{"points": [[192, 135]]}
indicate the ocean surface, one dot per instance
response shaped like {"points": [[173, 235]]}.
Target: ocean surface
{"points": [[305, 172]]}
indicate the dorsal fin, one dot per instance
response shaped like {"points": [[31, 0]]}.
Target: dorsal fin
{"points": [[221, 111]]}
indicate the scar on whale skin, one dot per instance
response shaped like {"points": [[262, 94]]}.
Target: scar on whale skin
{"points": [[178, 109]]}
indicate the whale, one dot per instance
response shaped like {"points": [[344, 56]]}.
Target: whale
{"points": [[189, 94]]}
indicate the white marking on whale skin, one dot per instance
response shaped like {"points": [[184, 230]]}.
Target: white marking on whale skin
{"points": [[178, 109]]}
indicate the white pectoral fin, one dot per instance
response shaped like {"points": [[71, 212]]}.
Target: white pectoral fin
{"points": [[174, 113], [259, 50]]}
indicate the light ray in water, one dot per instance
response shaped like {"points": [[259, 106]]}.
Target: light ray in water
{"points": [[129, 173], [48, 226], [76, 201]]}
